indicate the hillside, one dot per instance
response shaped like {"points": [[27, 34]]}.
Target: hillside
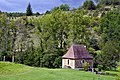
{"points": [[7, 68], [12, 71], [41, 41]]}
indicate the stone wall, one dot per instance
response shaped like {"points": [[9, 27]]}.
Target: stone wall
{"points": [[79, 63]]}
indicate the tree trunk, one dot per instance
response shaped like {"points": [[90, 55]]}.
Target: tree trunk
{"points": [[13, 58], [61, 40], [4, 58]]}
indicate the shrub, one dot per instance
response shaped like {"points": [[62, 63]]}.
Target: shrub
{"points": [[100, 67], [86, 66]]}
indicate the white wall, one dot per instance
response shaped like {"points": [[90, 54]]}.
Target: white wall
{"points": [[71, 63]]}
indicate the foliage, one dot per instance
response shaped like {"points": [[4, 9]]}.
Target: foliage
{"points": [[5, 40], [29, 10], [17, 14], [47, 12], [89, 5], [57, 62], [29, 57], [42, 41], [108, 2], [86, 66], [110, 41], [64, 7], [100, 67], [54, 36], [48, 60], [96, 1]]}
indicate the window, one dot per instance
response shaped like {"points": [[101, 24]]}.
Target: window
{"points": [[68, 61], [83, 61]]}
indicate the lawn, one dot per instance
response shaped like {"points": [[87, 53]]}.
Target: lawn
{"points": [[12, 71]]}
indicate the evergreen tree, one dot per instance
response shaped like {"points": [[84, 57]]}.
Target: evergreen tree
{"points": [[29, 10]]}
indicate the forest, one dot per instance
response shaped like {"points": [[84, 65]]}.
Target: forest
{"points": [[42, 40]]}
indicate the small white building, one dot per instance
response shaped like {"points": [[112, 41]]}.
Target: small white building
{"points": [[76, 56]]}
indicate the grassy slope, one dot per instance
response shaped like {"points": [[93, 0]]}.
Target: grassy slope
{"points": [[7, 68], [45, 74]]}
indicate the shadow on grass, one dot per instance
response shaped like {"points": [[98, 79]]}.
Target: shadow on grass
{"points": [[109, 74]]}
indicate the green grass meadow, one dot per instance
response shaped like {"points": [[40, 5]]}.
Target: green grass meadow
{"points": [[12, 71]]}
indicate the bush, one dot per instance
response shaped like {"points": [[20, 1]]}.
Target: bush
{"points": [[57, 62], [49, 59], [86, 66], [100, 67]]}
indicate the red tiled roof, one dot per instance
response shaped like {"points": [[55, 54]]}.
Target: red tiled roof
{"points": [[77, 52]]}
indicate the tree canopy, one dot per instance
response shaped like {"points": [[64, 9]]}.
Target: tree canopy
{"points": [[108, 2], [110, 42], [29, 10], [89, 5], [42, 41], [64, 7]]}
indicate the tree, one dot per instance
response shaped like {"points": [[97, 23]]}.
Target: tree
{"points": [[89, 5], [110, 40], [108, 2], [79, 32], [37, 14], [47, 12], [29, 10], [52, 33], [55, 8], [65, 7], [97, 1], [5, 36], [48, 60], [109, 56]]}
